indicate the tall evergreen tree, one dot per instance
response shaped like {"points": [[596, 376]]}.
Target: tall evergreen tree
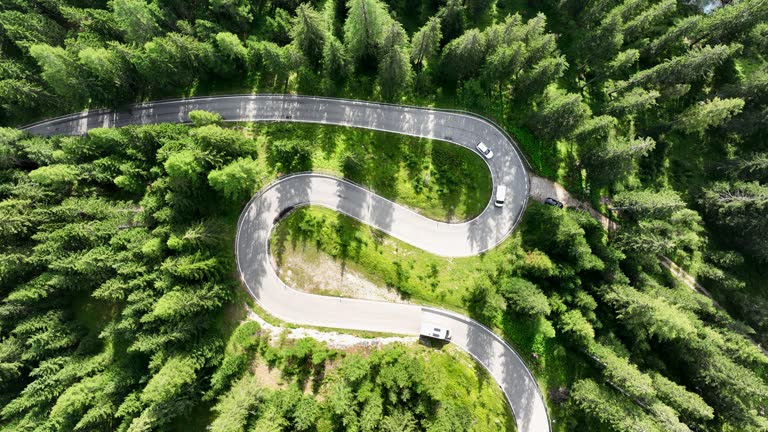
{"points": [[309, 33], [709, 114], [426, 43], [395, 73], [364, 29], [137, 19], [463, 57]]}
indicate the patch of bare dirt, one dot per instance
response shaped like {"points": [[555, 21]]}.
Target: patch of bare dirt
{"points": [[269, 378], [321, 274]]}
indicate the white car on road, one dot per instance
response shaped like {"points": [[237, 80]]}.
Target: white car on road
{"points": [[484, 150]]}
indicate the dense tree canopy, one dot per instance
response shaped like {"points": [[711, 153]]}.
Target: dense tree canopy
{"points": [[115, 265]]}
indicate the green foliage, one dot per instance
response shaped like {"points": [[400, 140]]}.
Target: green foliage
{"points": [[137, 19], [395, 74], [624, 374], [709, 114], [60, 71], [222, 143], [609, 408], [309, 33], [395, 386], [168, 382], [364, 29], [484, 303], [234, 408], [573, 325], [453, 19], [647, 203], [185, 164], [243, 342], [736, 207], [559, 235], [524, 297], [205, 118], [336, 62], [426, 43], [292, 155], [464, 56], [650, 315], [58, 175], [657, 107], [634, 101], [683, 69], [690, 405], [172, 60], [561, 114], [238, 180]]}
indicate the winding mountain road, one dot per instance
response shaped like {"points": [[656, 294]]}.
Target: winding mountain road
{"points": [[257, 220]]}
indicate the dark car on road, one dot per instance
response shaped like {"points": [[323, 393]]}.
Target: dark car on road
{"points": [[553, 202]]}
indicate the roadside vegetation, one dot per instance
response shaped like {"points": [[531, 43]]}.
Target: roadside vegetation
{"points": [[115, 249], [304, 386]]}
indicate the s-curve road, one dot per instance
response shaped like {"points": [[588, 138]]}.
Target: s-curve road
{"points": [[258, 219]]}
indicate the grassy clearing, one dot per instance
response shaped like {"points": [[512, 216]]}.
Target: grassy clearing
{"points": [[418, 275], [427, 279], [438, 179]]}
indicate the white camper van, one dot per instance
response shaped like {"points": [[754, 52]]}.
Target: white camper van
{"points": [[501, 193], [435, 331]]}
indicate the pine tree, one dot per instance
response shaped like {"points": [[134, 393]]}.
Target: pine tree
{"points": [[395, 75], [610, 408], [642, 24], [754, 167], [111, 71], [234, 408], [238, 180], [364, 29], [647, 203], [453, 18], [463, 57], [309, 33], [633, 102], [705, 115], [426, 43], [738, 207], [560, 115], [137, 19], [730, 23], [20, 94], [336, 63], [61, 72], [690, 405], [173, 60], [682, 69]]}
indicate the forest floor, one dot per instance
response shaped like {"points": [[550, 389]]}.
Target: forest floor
{"points": [[317, 273]]}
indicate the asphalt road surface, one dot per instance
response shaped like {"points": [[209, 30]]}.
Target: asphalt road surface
{"points": [[257, 220]]}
